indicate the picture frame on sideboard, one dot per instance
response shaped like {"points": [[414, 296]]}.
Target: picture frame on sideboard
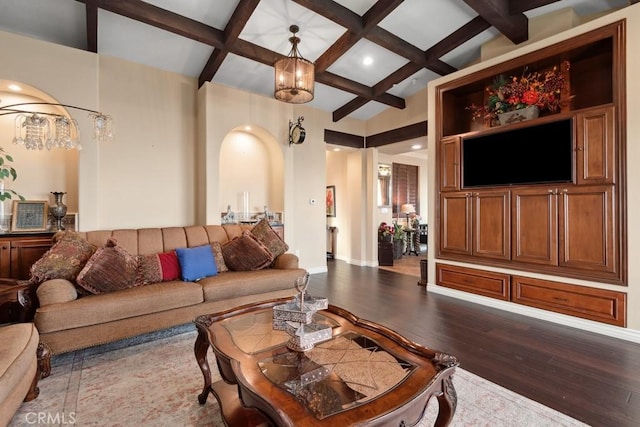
{"points": [[29, 215]]}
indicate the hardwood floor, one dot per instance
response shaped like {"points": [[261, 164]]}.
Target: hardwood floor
{"points": [[590, 377]]}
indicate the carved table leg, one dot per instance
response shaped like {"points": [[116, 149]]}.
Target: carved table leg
{"points": [[448, 401], [34, 391], [200, 349], [44, 360]]}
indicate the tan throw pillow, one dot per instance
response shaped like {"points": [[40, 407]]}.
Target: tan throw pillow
{"points": [[216, 247], [56, 291], [245, 253], [110, 269], [64, 260], [263, 232]]}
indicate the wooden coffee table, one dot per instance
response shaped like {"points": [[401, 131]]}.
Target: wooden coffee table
{"points": [[365, 374]]}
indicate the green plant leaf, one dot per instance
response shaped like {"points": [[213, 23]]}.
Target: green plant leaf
{"points": [[8, 156]]}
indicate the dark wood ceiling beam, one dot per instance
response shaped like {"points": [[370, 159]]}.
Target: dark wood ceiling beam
{"points": [[413, 131], [344, 139], [428, 59], [460, 36], [91, 13], [380, 10], [157, 17], [498, 13], [359, 89], [333, 11], [234, 27]]}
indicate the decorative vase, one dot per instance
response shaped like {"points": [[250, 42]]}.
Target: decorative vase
{"points": [[521, 115], [398, 248], [386, 238], [58, 210]]}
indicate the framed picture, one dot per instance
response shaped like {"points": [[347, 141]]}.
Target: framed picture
{"points": [[29, 215], [331, 200]]}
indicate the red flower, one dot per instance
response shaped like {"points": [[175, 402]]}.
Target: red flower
{"points": [[530, 97]]}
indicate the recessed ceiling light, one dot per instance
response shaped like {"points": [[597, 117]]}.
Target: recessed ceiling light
{"points": [[367, 60], [247, 128], [416, 146], [15, 88], [336, 149]]}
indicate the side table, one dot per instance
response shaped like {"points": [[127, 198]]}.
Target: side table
{"points": [[11, 311]]}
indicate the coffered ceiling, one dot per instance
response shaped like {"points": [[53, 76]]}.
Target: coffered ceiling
{"points": [[235, 42]]}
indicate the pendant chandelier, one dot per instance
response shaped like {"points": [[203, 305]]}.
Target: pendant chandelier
{"points": [[37, 130], [294, 75]]}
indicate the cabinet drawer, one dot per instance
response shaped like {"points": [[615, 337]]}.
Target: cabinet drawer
{"points": [[600, 305], [486, 283]]}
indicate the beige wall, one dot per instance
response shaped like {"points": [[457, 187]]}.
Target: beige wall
{"points": [[632, 14]]}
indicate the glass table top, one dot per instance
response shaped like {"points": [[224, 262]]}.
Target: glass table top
{"points": [[336, 375]]}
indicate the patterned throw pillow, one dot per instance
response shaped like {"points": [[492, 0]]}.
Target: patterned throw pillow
{"points": [[216, 247], [64, 260], [157, 268], [245, 253], [268, 237], [110, 269]]}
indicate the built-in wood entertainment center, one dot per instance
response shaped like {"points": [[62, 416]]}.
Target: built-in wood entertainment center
{"points": [[573, 227]]}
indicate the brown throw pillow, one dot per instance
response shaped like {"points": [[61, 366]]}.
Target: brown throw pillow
{"points": [[263, 232], [216, 247], [110, 269], [64, 260], [245, 253]]}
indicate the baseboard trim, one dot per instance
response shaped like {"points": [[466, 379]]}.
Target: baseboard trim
{"points": [[562, 319]]}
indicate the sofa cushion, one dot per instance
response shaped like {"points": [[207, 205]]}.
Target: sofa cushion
{"points": [[64, 260], [110, 269], [56, 291], [245, 253], [105, 308], [235, 284], [196, 263], [217, 255], [272, 240]]}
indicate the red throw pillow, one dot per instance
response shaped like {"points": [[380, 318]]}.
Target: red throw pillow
{"points": [[169, 265]]}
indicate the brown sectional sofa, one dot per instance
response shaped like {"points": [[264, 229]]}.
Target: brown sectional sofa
{"points": [[67, 322]]}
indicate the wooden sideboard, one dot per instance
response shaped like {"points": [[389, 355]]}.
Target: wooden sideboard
{"points": [[18, 252]]}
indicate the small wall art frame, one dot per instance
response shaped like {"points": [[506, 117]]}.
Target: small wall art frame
{"points": [[29, 215], [331, 200]]}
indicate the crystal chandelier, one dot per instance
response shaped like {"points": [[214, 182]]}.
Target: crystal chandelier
{"points": [[39, 130], [294, 75]]}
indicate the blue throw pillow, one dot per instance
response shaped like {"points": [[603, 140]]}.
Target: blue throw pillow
{"points": [[196, 263]]}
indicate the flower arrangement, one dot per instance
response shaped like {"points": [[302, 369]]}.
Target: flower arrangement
{"points": [[539, 89], [385, 230], [394, 231]]}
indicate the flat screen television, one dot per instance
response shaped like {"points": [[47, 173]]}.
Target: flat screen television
{"points": [[528, 155]]}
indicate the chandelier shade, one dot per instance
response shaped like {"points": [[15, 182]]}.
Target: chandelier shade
{"points": [[294, 75]]}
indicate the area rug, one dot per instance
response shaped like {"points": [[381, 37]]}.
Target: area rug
{"points": [[153, 380]]}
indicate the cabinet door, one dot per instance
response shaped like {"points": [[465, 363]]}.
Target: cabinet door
{"points": [[455, 224], [491, 224], [586, 228], [595, 146], [5, 258], [535, 226], [450, 164], [24, 253]]}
